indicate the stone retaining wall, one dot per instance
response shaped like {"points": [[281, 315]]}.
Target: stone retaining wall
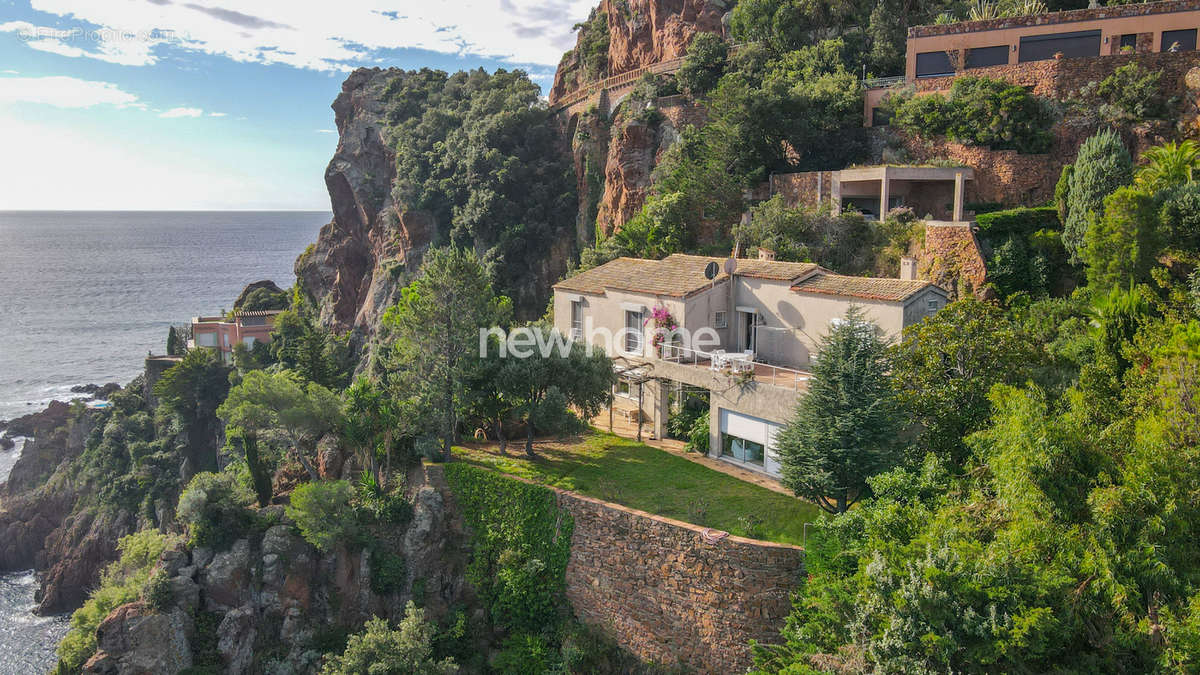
{"points": [[658, 588], [665, 593]]}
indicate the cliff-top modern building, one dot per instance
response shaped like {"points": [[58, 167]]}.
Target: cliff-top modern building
{"points": [[767, 318], [223, 333], [935, 51]]}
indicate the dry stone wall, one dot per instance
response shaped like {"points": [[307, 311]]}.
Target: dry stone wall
{"points": [[667, 594], [670, 592]]}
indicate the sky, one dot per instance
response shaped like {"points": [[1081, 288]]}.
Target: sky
{"points": [[220, 104]]}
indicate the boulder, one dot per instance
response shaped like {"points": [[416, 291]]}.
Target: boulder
{"points": [[135, 640], [235, 641], [226, 580]]}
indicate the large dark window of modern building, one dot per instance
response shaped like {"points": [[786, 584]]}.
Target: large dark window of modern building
{"points": [[1185, 38], [934, 64], [1129, 40], [982, 57], [1070, 45]]}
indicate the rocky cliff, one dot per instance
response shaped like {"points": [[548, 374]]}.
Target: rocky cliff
{"points": [[270, 602], [639, 33], [42, 522], [615, 154], [345, 271], [514, 218]]}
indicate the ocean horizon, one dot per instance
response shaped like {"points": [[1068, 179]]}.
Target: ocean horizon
{"points": [[84, 295]]}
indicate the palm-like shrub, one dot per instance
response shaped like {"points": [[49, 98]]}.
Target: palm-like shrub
{"points": [[1169, 165]]}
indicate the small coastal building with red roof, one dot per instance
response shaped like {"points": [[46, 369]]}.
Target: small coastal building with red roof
{"points": [[224, 333]]}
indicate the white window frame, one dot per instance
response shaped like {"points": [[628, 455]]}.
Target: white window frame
{"points": [[721, 319], [577, 324], [634, 341]]}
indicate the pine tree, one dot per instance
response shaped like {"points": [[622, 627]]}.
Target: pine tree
{"points": [[845, 427], [1103, 165]]}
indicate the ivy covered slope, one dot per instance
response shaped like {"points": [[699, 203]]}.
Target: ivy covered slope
{"points": [[425, 159]]}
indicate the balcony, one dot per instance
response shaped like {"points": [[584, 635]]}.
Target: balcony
{"points": [[704, 365]]}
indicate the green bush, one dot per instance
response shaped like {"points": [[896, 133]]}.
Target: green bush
{"points": [[388, 572], [1021, 221], [1120, 247], [704, 64], [323, 510], [122, 582], [981, 111], [215, 508], [1130, 94], [698, 435], [378, 649], [157, 591], [1179, 218], [521, 543], [1026, 249], [526, 654]]}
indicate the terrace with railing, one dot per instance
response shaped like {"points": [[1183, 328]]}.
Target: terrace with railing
{"points": [[738, 365]]}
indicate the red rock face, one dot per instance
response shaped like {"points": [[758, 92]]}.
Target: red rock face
{"points": [[634, 151], [343, 270], [649, 31], [641, 33]]}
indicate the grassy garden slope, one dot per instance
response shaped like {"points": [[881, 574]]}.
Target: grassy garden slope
{"points": [[636, 475]]}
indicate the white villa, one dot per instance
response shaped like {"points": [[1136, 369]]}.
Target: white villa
{"points": [[766, 319]]}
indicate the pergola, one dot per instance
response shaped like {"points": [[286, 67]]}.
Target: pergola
{"points": [[634, 373], [882, 182]]}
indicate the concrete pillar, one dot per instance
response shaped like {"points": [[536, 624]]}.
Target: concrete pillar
{"points": [[662, 407], [714, 428], [959, 183], [835, 194], [883, 195]]}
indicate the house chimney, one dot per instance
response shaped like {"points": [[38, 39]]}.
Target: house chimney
{"points": [[765, 254], [908, 268]]}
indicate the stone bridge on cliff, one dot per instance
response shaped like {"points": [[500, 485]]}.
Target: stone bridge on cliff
{"points": [[608, 93]]}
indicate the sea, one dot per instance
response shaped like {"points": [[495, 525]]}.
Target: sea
{"points": [[84, 296]]}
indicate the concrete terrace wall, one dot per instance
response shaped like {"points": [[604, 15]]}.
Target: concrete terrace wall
{"points": [[662, 592]]}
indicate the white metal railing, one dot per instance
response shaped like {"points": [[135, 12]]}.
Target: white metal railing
{"points": [[882, 82], [737, 363]]}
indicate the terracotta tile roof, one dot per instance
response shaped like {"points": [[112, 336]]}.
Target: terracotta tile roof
{"points": [[890, 290], [676, 275], [659, 277], [753, 267]]}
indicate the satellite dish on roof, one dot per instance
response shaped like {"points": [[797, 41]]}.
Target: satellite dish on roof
{"points": [[711, 270], [730, 266]]}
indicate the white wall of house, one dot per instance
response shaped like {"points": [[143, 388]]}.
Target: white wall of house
{"points": [[607, 311]]}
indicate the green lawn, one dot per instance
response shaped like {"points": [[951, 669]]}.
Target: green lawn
{"points": [[621, 470]]}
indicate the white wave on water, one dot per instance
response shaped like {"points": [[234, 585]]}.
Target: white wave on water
{"points": [[27, 641]]}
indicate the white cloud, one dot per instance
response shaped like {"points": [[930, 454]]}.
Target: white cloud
{"points": [[217, 114], [103, 173], [64, 92], [326, 131], [122, 48], [182, 112], [327, 35]]}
